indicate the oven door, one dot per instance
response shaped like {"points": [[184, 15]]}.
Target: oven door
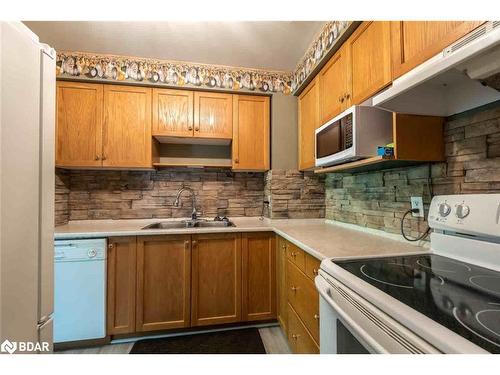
{"points": [[351, 325]]}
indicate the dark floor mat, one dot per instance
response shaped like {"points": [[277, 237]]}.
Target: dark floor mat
{"points": [[238, 341]]}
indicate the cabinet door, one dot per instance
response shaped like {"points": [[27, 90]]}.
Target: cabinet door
{"points": [[121, 285], [334, 85], [79, 124], [163, 282], [282, 292], [414, 42], [127, 127], [251, 132], [172, 113], [258, 276], [216, 279], [370, 52], [308, 108], [213, 115]]}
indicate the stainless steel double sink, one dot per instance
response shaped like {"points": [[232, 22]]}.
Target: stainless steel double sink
{"points": [[186, 224]]}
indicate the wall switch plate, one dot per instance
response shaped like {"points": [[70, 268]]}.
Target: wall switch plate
{"points": [[417, 202]]}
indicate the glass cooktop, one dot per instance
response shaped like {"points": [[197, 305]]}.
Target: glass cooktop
{"points": [[460, 296]]}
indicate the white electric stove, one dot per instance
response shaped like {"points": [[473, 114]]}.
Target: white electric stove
{"points": [[443, 301]]}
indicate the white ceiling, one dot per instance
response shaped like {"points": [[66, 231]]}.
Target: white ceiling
{"points": [[265, 45]]}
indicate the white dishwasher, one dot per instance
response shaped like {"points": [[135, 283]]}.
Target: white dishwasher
{"points": [[79, 290]]}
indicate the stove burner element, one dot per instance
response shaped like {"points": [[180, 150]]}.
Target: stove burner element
{"points": [[386, 273], [485, 318], [488, 283], [445, 266], [490, 317]]}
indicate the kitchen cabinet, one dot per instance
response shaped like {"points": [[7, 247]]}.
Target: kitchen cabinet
{"points": [[414, 42], [304, 298], [251, 133], [163, 282], [334, 81], [173, 113], [216, 279], [213, 115], [299, 338], [121, 285], [258, 276], [309, 121], [370, 59], [281, 281], [312, 266], [79, 124], [127, 127]]}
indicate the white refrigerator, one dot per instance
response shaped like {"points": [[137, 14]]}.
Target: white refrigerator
{"points": [[27, 107]]}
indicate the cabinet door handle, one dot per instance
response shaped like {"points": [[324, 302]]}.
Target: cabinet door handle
{"points": [[104, 157], [236, 161], [315, 272], [283, 247], [194, 243], [190, 127], [97, 157], [340, 99], [111, 246], [186, 245], [295, 336], [196, 128], [294, 288], [294, 255], [347, 96], [316, 316]]}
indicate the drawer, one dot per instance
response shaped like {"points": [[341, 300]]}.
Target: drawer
{"points": [[304, 298], [312, 266], [300, 340], [296, 255]]}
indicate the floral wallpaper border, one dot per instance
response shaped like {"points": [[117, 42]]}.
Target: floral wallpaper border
{"points": [[172, 73], [176, 73], [317, 50]]}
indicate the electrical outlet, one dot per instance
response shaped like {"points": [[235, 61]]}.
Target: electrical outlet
{"points": [[417, 202]]}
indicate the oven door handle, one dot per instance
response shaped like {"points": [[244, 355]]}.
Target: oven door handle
{"points": [[325, 291]]}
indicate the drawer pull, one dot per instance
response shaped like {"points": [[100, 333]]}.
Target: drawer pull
{"points": [[294, 254], [283, 246], [315, 272], [316, 316], [295, 336], [295, 288]]}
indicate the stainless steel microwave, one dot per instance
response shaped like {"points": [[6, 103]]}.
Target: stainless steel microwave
{"points": [[354, 134]]}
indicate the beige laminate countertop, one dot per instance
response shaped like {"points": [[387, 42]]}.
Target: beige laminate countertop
{"points": [[320, 238]]}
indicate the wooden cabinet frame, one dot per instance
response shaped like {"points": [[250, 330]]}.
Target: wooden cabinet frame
{"points": [[258, 277]]}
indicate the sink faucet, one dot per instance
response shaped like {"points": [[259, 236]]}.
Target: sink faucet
{"points": [[194, 214]]}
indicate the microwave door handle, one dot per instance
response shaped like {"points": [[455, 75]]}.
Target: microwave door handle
{"points": [[325, 291]]}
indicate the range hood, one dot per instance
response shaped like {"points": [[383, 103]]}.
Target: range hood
{"points": [[463, 76]]}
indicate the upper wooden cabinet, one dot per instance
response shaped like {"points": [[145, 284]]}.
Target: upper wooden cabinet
{"points": [[335, 85], [79, 124], [308, 107], [258, 276], [173, 113], [127, 127], [414, 42], [121, 275], [370, 59], [216, 279], [251, 133], [213, 115]]}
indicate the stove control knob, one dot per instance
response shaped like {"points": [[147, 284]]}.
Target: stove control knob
{"points": [[444, 209], [462, 211]]}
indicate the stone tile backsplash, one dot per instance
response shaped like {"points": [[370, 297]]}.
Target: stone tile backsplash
{"points": [[379, 199], [94, 194]]}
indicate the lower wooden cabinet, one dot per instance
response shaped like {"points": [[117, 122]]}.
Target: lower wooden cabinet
{"points": [[163, 282], [258, 298], [121, 285], [298, 303], [216, 279], [299, 338], [281, 280]]}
